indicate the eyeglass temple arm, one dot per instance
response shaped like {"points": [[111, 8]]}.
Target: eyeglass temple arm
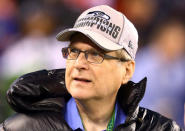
{"points": [[116, 58]]}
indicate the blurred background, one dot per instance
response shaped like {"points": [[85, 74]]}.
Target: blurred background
{"points": [[27, 43]]}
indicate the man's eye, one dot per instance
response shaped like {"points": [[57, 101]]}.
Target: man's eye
{"points": [[74, 50], [94, 53]]}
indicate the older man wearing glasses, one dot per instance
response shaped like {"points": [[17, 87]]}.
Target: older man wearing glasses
{"points": [[96, 94]]}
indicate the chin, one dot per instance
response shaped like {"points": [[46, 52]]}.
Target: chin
{"points": [[80, 95]]}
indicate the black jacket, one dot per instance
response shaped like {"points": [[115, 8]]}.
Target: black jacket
{"points": [[39, 99]]}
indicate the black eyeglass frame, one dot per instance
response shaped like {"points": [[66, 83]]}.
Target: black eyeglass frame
{"points": [[104, 56]]}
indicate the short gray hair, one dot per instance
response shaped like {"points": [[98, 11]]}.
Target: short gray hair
{"points": [[122, 54]]}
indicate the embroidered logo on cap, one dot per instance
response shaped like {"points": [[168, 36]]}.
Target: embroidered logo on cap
{"points": [[100, 21], [100, 14]]}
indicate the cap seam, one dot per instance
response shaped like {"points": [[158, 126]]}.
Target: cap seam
{"points": [[121, 31]]}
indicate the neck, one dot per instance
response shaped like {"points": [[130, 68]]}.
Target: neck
{"points": [[96, 114]]}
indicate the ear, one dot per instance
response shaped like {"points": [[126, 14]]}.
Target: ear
{"points": [[129, 71]]}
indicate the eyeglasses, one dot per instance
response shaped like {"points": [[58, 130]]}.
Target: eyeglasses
{"points": [[70, 53]]}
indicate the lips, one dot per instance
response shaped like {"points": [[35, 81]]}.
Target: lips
{"points": [[81, 79]]}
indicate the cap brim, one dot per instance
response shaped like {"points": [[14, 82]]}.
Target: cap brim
{"points": [[98, 39]]}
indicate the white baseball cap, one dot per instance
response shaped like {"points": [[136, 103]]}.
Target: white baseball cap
{"points": [[107, 28]]}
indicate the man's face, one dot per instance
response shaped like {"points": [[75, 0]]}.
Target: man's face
{"points": [[86, 80]]}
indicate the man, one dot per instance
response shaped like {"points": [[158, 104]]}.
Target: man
{"points": [[98, 94]]}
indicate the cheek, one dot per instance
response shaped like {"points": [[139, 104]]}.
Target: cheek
{"points": [[67, 79], [109, 79], [115, 76], [68, 74]]}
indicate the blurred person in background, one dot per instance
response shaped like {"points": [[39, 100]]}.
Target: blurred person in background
{"points": [[162, 61], [143, 13], [85, 4], [37, 47], [8, 23]]}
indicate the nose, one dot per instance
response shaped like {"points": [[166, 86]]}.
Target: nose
{"points": [[81, 62]]}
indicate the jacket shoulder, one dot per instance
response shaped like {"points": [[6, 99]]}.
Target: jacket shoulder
{"points": [[154, 121], [41, 121]]}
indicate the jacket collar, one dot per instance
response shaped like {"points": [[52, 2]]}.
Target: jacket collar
{"points": [[130, 94]]}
